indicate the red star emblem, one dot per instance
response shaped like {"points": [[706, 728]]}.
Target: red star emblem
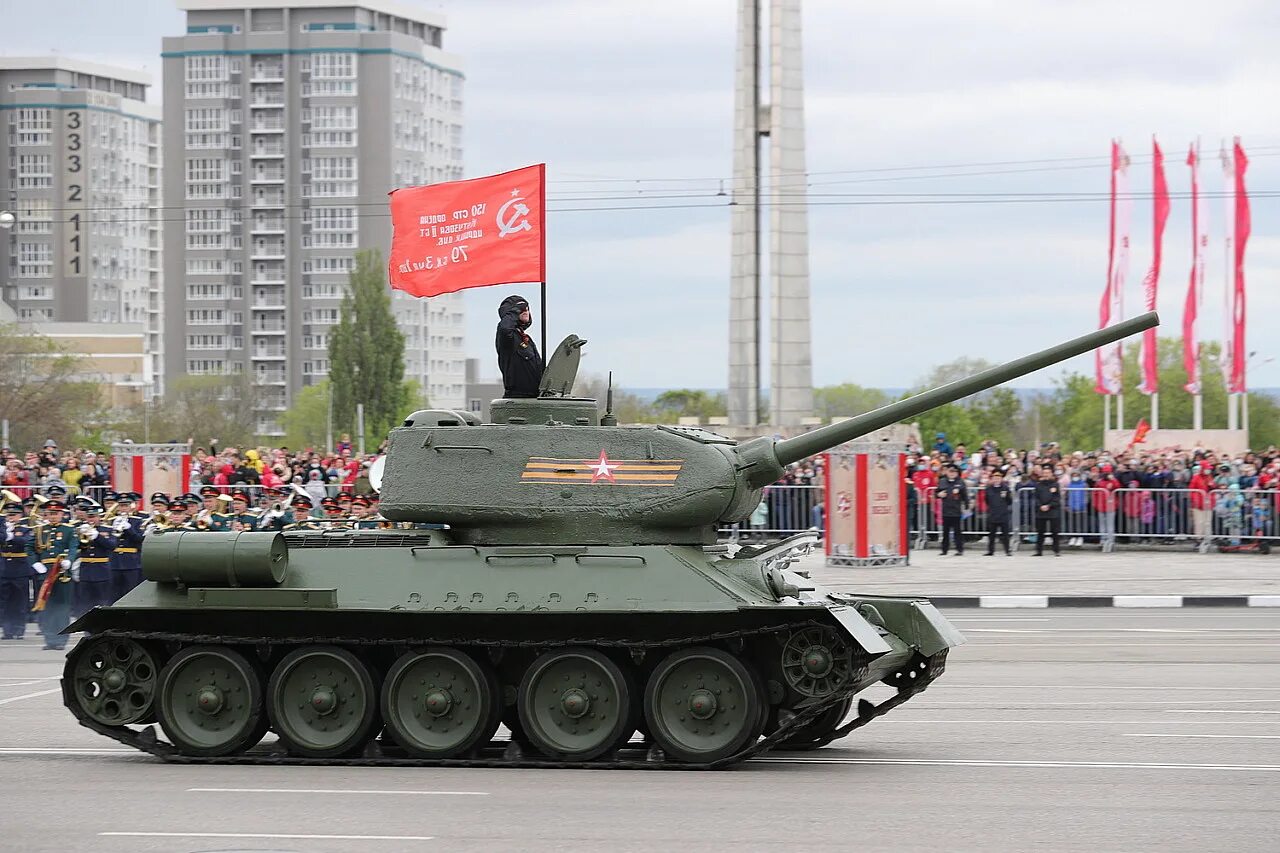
{"points": [[602, 469]]}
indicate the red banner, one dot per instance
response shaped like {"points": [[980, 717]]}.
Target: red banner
{"points": [[452, 236], [1150, 383], [1239, 354], [1195, 287], [1108, 361]]}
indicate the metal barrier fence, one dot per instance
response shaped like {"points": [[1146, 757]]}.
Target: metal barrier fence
{"points": [[1087, 517], [99, 493]]}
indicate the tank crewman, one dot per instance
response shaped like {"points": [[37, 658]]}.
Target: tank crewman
{"points": [[301, 515], [518, 358], [15, 571], [1048, 510], [213, 515], [126, 568], [362, 512], [53, 549], [97, 549], [241, 517]]}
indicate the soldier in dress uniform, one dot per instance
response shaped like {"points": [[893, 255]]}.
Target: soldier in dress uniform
{"points": [[15, 571], [334, 517], [126, 568], [78, 510], [213, 515], [361, 510], [302, 515], [97, 549], [241, 516], [31, 514], [274, 519], [178, 515], [53, 549]]}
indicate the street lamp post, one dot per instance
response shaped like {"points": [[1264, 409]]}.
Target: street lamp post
{"points": [[1244, 398]]}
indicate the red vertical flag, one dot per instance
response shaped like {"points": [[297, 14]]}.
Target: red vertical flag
{"points": [[1108, 361], [1195, 287], [1239, 353], [1150, 284], [451, 236]]}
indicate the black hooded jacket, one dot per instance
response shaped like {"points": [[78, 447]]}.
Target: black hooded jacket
{"points": [[518, 357]]}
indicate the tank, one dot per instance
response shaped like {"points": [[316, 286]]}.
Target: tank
{"points": [[571, 587]]}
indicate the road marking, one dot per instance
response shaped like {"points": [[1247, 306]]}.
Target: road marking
{"points": [[267, 835], [26, 678], [1193, 688], [1264, 601], [1146, 601], [1070, 765], [1013, 601], [925, 706], [14, 750], [1217, 711], [29, 696], [1129, 645], [23, 683], [334, 791], [1233, 737]]}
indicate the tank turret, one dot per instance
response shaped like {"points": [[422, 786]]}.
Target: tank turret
{"points": [[546, 472]]}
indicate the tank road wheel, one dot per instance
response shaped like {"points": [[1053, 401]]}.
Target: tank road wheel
{"points": [[703, 704], [575, 704], [112, 679], [211, 702], [322, 702], [440, 703], [817, 662]]}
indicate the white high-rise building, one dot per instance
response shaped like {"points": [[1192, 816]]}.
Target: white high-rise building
{"points": [[80, 171], [286, 125]]}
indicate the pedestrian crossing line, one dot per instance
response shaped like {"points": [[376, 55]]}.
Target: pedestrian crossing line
{"points": [[30, 695]]}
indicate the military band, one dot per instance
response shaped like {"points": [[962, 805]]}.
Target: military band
{"points": [[60, 559]]}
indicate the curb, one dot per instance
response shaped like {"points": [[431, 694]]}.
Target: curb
{"points": [[1043, 601]]}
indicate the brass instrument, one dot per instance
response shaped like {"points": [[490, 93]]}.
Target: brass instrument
{"points": [[85, 537], [8, 497]]}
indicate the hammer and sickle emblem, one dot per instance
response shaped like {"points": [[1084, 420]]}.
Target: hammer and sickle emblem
{"points": [[511, 216]]}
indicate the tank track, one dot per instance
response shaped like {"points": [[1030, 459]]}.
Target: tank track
{"points": [[910, 680]]}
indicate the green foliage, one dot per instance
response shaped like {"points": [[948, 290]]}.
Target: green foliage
{"points": [[992, 414], [199, 409], [44, 394], [847, 400], [687, 403], [996, 415], [306, 421], [955, 420], [366, 354]]}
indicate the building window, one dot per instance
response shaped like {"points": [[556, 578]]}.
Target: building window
{"points": [[206, 317], [35, 216], [35, 260], [333, 118], [35, 127], [216, 342], [35, 171], [35, 291]]}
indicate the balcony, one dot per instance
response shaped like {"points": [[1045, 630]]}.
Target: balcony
{"points": [[262, 251], [274, 100], [267, 353], [268, 199], [267, 176], [270, 377], [265, 149], [268, 329], [265, 72], [265, 124], [267, 225]]}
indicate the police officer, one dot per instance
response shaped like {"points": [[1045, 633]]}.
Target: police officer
{"points": [[999, 508], [15, 572], [1048, 510], [97, 549], [53, 549], [126, 567], [954, 497]]}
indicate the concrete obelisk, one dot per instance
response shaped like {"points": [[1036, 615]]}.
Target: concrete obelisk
{"points": [[782, 120]]}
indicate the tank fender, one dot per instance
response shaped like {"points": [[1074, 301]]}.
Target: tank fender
{"points": [[914, 621], [857, 626]]}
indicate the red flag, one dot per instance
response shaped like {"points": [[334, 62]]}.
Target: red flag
{"points": [[448, 237], [1195, 287], [1239, 355], [1150, 381], [1140, 432], [1107, 360]]}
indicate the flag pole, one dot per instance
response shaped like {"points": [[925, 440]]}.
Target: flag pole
{"points": [[542, 254], [1106, 416], [542, 311], [1155, 410]]}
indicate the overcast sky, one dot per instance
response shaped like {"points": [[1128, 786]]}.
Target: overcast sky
{"points": [[630, 101]]}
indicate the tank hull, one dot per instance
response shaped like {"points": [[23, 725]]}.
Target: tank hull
{"points": [[593, 628]]}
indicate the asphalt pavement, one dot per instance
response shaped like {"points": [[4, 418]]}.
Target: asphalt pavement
{"points": [[1097, 730]]}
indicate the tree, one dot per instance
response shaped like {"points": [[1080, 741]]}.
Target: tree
{"points": [[306, 422], [199, 408], [43, 391], [629, 408], [847, 400], [688, 403], [366, 353]]}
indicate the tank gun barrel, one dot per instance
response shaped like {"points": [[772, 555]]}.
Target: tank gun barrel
{"points": [[797, 448]]}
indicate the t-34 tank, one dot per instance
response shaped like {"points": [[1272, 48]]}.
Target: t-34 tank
{"points": [[577, 594]]}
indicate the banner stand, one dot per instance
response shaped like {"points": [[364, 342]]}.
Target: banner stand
{"points": [[866, 504]]}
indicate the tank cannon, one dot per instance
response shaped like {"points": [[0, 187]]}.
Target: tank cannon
{"points": [[577, 596]]}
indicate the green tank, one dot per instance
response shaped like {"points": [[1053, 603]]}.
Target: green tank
{"points": [[571, 587]]}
